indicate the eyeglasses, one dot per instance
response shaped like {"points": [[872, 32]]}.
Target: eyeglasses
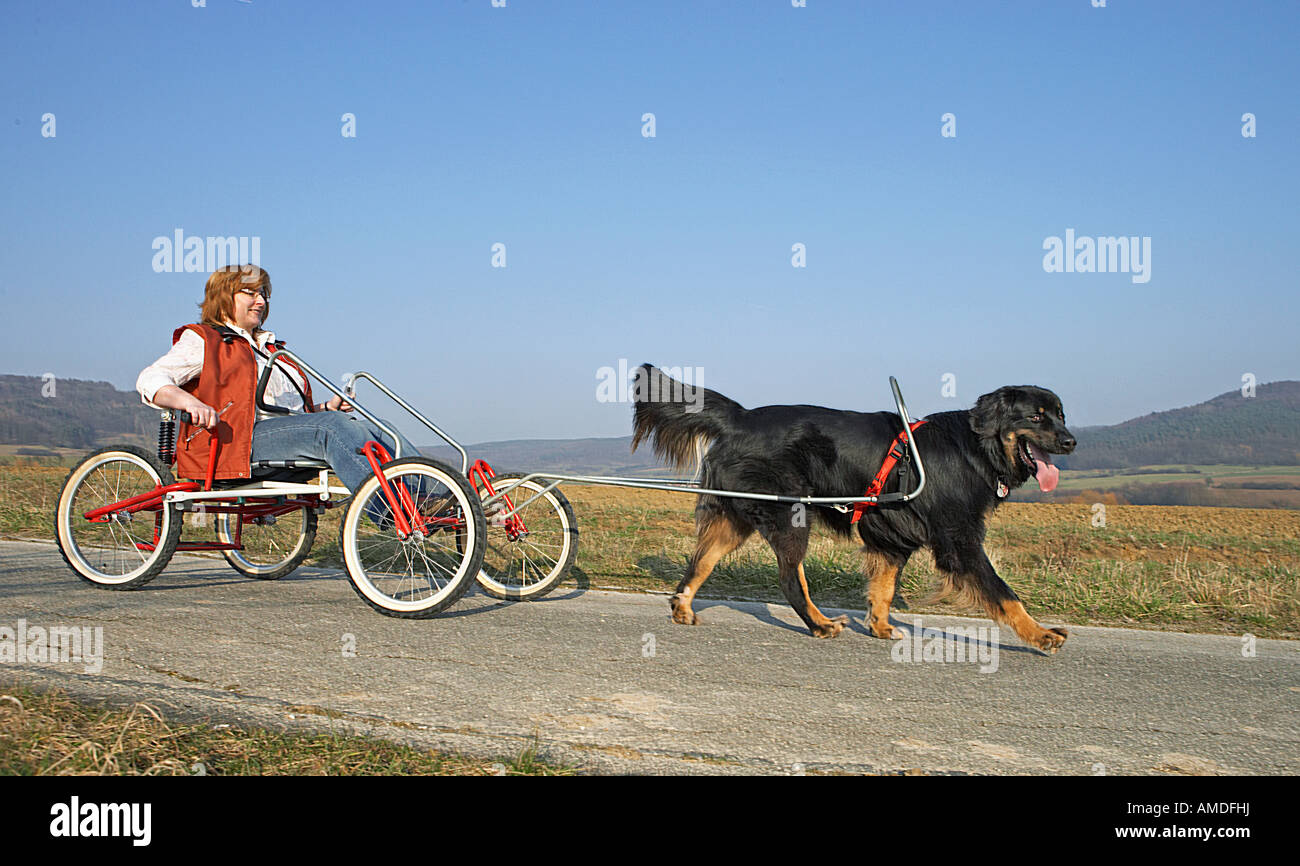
{"points": [[253, 293]]}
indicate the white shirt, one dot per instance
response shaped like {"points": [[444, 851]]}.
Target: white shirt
{"points": [[185, 361]]}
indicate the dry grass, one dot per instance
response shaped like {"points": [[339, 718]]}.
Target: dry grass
{"points": [[44, 734]]}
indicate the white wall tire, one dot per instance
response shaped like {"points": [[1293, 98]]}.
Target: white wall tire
{"points": [[414, 577], [107, 554], [530, 566]]}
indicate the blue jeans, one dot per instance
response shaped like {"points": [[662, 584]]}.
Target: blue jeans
{"points": [[330, 436]]}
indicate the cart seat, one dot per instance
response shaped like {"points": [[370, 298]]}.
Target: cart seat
{"points": [[260, 466], [296, 471], [293, 471]]}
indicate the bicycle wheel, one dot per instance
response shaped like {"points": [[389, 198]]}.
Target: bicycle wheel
{"points": [[272, 546], [529, 558], [426, 571], [123, 549]]}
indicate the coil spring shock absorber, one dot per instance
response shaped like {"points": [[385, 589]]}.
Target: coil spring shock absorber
{"points": [[167, 439]]}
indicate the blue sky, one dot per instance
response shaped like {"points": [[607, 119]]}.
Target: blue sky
{"points": [[774, 125]]}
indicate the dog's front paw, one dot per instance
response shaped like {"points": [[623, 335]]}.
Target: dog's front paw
{"points": [[831, 628], [682, 612], [1052, 639], [885, 631]]}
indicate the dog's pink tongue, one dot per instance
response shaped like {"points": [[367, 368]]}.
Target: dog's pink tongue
{"points": [[1047, 473]]}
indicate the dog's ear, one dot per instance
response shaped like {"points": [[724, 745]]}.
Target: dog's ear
{"points": [[991, 411]]}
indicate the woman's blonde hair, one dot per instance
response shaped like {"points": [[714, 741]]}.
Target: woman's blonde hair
{"points": [[218, 305]]}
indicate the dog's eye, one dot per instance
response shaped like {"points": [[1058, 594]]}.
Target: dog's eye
{"points": [[1036, 418]]}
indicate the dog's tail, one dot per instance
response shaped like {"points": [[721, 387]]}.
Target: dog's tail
{"points": [[681, 420]]}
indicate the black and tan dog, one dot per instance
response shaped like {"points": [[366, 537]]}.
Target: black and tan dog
{"points": [[972, 459]]}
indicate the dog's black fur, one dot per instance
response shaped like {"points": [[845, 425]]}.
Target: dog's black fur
{"points": [[813, 451]]}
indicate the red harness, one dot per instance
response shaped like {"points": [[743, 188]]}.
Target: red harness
{"points": [[896, 453]]}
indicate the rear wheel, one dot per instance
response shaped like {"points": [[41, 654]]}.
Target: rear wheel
{"points": [[426, 571], [529, 563], [272, 546], [122, 549]]}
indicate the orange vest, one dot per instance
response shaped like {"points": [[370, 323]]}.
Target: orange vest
{"points": [[229, 376]]}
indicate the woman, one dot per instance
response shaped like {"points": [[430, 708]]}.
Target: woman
{"points": [[212, 371]]}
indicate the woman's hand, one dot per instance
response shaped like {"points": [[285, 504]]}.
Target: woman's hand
{"points": [[201, 413], [172, 397], [336, 404]]}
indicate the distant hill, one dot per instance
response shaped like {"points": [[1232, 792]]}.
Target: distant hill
{"points": [[75, 414], [1263, 430]]}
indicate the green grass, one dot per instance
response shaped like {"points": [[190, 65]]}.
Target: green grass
{"points": [[1088, 540], [1072, 481], [1104, 479]]}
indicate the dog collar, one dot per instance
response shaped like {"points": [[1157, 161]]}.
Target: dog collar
{"points": [[1003, 489]]}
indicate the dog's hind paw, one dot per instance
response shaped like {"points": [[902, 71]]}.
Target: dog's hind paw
{"points": [[1052, 639]]}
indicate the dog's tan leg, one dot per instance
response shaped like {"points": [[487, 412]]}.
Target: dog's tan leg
{"points": [[795, 586], [717, 537], [881, 577], [974, 580], [966, 590], [1013, 613]]}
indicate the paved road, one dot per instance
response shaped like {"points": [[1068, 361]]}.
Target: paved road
{"points": [[608, 683]]}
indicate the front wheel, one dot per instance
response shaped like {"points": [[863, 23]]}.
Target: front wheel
{"points": [[125, 547], [415, 574], [529, 552]]}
